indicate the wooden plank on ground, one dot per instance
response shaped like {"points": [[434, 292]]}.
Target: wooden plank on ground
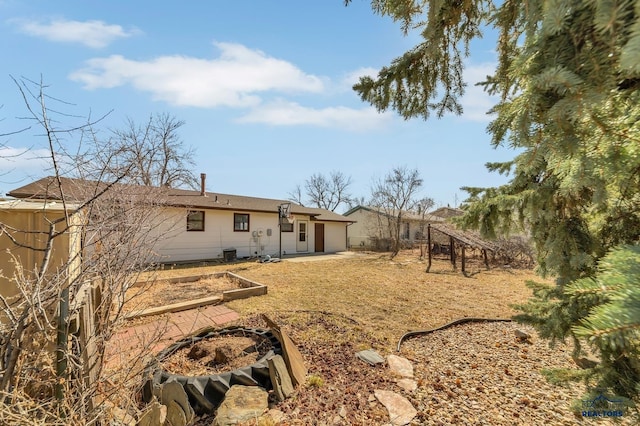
{"points": [[243, 293], [291, 354], [176, 307]]}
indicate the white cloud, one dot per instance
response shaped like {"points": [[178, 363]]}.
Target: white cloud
{"points": [[94, 34], [25, 160], [476, 102], [353, 77], [233, 79], [283, 113]]}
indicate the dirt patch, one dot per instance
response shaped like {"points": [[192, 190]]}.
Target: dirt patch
{"points": [[217, 355], [160, 293]]}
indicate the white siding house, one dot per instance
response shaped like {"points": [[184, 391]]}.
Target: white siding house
{"points": [[371, 227], [200, 225]]}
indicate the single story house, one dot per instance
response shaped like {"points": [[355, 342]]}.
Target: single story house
{"points": [[200, 225], [372, 225]]}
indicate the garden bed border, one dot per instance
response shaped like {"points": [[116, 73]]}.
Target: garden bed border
{"points": [[248, 288]]}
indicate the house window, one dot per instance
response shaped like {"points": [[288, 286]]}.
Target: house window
{"points": [[241, 222], [286, 226], [195, 220], [302, 232]]}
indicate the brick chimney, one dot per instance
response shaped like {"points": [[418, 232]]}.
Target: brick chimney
{"points": [[203, 179]]}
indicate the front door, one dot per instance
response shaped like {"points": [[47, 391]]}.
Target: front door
{"points": [[302, 243], [319, 235]]}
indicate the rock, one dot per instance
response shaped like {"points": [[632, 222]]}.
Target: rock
{"points": [[407, 384], [291, 353], [280, 379], [176, 416], [370, 357], [276, 415], [241, 404], [521, 336], [123, 417], [120, 417], [343, 412], [155, 414], [401, 412], [163, 414], [173, 391], [400, 366]]}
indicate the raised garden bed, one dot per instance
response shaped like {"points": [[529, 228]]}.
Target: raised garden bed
{"points": [[217, 354], [182, 293], [206, 389]]}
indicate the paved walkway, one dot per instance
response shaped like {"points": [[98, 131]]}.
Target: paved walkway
{"points": [[315, 257], [151, 337]]}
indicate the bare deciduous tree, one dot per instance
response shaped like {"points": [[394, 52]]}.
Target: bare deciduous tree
{"points": [[43, 364], [324, 192], [151, 154], [394, 196], [422, 207], [357, 201], [296, 195]]}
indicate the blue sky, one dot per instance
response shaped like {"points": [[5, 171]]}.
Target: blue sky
{"points": [[264, 88]]}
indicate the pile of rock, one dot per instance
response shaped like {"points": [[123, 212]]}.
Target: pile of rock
{"points": [[241, 404], [400, 410]]}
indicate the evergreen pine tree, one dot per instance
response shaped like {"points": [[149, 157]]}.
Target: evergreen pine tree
{"points": [[613, 322], [568, 80]]}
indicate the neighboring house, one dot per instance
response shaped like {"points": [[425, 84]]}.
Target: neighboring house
{"points": [[447, 212], [200, 225], [371, 227], [24, 226]]}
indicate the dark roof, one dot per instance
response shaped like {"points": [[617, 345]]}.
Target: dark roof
{"points": [[79, 190]]}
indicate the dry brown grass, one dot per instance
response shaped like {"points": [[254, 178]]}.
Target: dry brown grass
{"points": [[383, 298], [159, 293]]}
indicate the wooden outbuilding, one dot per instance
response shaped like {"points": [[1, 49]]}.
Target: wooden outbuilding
{"points": [[460, 239], [25, 228]]}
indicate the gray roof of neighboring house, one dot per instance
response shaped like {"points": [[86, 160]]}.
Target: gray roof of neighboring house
{"points": [[428, 217], [447, 212], [79, 190]]}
